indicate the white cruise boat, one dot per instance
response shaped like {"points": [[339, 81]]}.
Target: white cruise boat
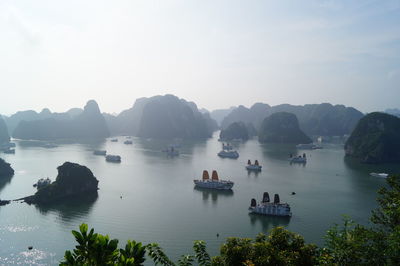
{"points": [[100, 152], [253, 167], [265, 207], [214, 183], [309, 146], [382, 175], [298, 159], [228, 154], [42, 182], [113, 158]]}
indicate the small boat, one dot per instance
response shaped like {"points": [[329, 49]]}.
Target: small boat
{"points": [[298, 159], [228, 154], [113, 158], [42, 182], [214, 183], [227, 147], [114, 140], [309, 146], [253, 167], [9, 151], [50, 145], [128, 142], [100, 152], [265, 207], [171, 151], [382, 175]]}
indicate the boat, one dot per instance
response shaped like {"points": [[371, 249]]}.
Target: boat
{"points": [[228, 154], [128, 142], [42, 182], [113, 158], [9, 151], [50, 145], [309, 146], [382, 175], [114, 140], [253, 167], [227, 147], [171, 151], [214, 182], [298, 159], [100, 152], [266, 207]]}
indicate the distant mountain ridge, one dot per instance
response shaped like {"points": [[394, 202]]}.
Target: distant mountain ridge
{"points": [[314, 119], [89, 123], [4, 136]]}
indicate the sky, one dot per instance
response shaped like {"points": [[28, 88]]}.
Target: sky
{"points": [[59, 54]]}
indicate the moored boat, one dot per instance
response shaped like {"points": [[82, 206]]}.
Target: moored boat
{"points": [[171, 151], [42, 182], [100, 152], [266, 207], [227, 146], [9, 151], [214, 182], [128, 142], [298, 159], [253, 167], [114, 140], [308, 146], [228, 154], [382, 175], [113, 158]]}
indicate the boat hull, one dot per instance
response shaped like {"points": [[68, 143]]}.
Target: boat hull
{"points": [[220, 185], [272, 210], [254, 167]]}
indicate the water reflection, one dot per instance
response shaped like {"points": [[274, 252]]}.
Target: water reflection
{"points": [[268, 222], [253, 173], [279, 151], [213, 194], [69, 210]]}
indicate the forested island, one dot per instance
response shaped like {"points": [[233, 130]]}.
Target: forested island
{"points": [[72, 180], [376, 139], [282, 127]]}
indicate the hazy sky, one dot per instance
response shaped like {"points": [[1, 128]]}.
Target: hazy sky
{"points": [[59, 54]]}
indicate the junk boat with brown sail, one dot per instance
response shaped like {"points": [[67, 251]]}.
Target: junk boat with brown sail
{"points": [[214, 182]]}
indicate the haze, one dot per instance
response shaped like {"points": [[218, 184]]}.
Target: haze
{"points": [[59, 54]]}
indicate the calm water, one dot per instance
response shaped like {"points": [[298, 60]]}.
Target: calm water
{"points": [[159, 203]]}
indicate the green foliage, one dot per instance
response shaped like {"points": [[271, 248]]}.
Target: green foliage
{"points": [[280, 247], [96, 249]]}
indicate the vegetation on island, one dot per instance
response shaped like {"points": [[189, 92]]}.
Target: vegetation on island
{"points": [[5, 169], [282, 127], [376, 139], [72, 179], [346, 244], [236, 130]]}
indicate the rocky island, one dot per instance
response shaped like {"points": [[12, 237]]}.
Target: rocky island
{"points": [[5, 169], [376, 139], [282, 127], [72, 180], [236, 130]]}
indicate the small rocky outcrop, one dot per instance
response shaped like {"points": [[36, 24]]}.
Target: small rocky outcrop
{"points": [[282, 127], [376, 139], [72, 180]]}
